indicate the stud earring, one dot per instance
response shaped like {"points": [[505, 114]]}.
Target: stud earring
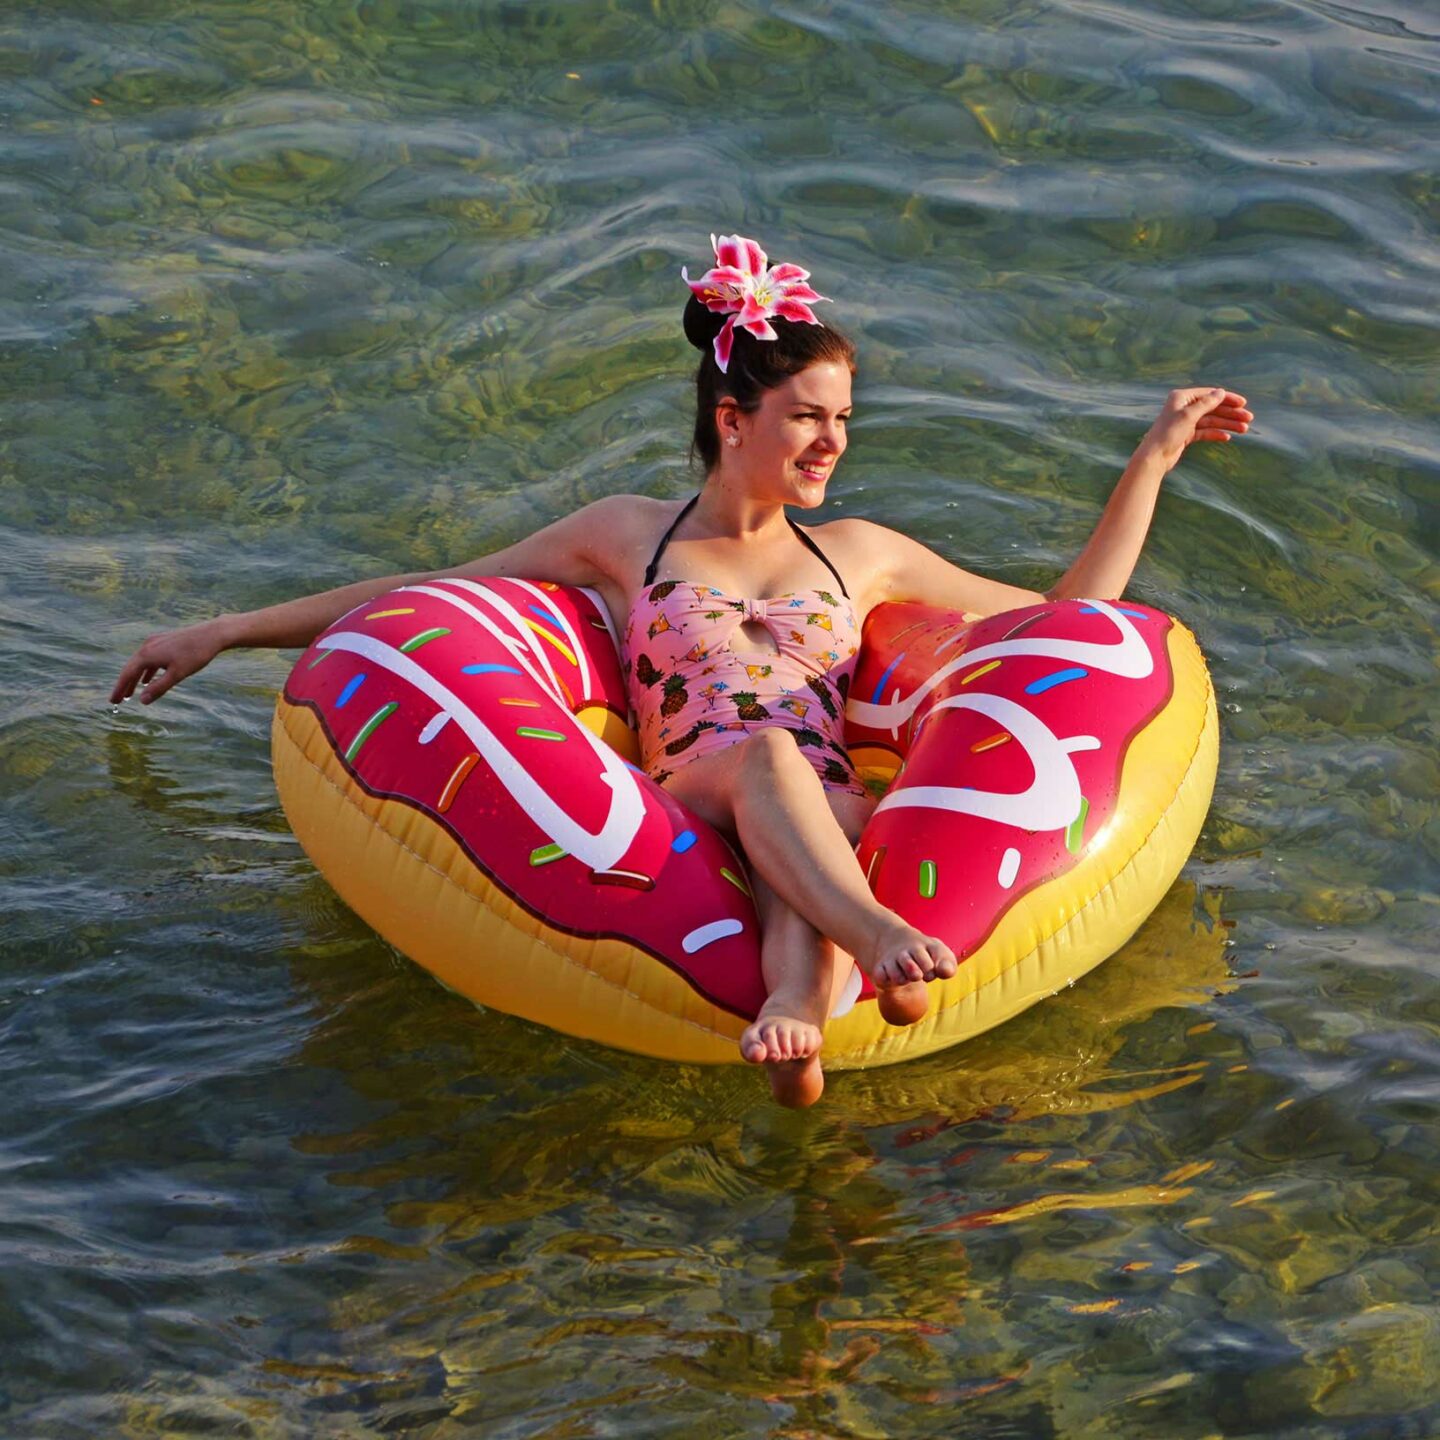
{"points": [[732, 439]]}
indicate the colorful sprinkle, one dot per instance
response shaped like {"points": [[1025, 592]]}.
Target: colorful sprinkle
{"points": [[880, 684], [630, 879], [436, 724], [1024, 624], [555, 640], [530, 732], [549, 615], [1091, 610], [704, 935], [423, 638], [385, 614], [983, 670], [990, 742], [683, 841], [453, 784], [370, 727], [515, 700], [544, 854], [597, 624], [488, 669], [323, 655], [1009, 868], [1059, 677], [929, 879], [736, 881], [1075, 835], [349, 690]]}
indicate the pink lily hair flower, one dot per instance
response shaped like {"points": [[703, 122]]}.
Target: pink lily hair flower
{"points": [[744, 285]]}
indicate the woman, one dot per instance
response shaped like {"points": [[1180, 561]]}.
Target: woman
{"points": [[741, 633]]}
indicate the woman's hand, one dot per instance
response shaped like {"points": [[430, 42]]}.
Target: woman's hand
{"points": [[1197, 413], [165, 660]]}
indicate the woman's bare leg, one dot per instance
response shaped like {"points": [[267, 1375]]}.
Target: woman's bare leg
{"points": [[766, 794], [802, 971]]}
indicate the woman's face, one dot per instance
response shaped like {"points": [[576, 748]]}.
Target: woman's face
{"points": [[790, 446]]}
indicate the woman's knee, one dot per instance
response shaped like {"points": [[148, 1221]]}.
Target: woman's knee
{"points": [[770, 751]]}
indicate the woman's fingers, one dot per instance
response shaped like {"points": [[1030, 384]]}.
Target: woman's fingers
{"points": [[129, 678]]}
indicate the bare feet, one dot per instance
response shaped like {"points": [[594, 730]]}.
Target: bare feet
{"points": [[903, 1004], [790, 1051], [901, 962]]}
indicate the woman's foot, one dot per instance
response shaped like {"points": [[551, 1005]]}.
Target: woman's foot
{"points": [[901, 962], [790, 1051]]}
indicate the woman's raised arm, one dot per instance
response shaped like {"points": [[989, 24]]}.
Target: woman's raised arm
{"points": [[905, 570], [1108, 559], [571, 551]]}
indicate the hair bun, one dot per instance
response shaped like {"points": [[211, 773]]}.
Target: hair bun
{"points": [[702, 325]]}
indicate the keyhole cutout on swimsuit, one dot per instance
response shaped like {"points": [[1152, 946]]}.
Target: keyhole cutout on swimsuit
{"points": [[757, 637]]}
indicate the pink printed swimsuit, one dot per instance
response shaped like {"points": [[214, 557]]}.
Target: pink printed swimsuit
{"points": [[694, 694]]}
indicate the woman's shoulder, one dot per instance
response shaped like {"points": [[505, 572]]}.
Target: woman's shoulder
{"points": [[853, 538]]}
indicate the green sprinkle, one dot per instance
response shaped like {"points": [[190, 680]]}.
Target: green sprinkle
{"points": [[531, 733], [546, 853], [423, 638], [929, 878], [323, 655], [370, 727], [1075, 835], [735, 880]]}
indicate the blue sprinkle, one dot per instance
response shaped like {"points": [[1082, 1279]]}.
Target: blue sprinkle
{"points": [[1039, 687], [1091, 610], [545, 614], [488, 670], [683, 841], [635, 768], [349, 690], [880, 683]]}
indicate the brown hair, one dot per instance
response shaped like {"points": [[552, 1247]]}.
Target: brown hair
{"points": [[755, 367]]}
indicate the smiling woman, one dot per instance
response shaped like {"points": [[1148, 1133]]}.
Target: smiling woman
{"points": [[741, 640]]}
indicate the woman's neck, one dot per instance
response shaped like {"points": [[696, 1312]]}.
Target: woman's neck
{"points": [[725, 511]]}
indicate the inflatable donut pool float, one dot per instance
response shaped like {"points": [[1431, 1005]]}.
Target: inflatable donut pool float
{"points": [[457, 759]]}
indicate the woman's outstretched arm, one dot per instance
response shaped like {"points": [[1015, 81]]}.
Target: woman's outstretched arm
{"points": [[903, 569], [570, 551], [1108, 560]]}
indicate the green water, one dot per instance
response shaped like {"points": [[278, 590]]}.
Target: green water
{"points": [[295, 292]]}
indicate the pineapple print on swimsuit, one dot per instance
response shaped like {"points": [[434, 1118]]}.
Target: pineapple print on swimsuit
{"points": [[696, 688]]}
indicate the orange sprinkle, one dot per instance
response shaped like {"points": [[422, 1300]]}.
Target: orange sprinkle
{"points": [[453, 784], [385, 614], [983, 670], [513, 700], [991, 741]]}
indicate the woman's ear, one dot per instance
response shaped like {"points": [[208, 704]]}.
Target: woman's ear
{"points": [[727, 420]]}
